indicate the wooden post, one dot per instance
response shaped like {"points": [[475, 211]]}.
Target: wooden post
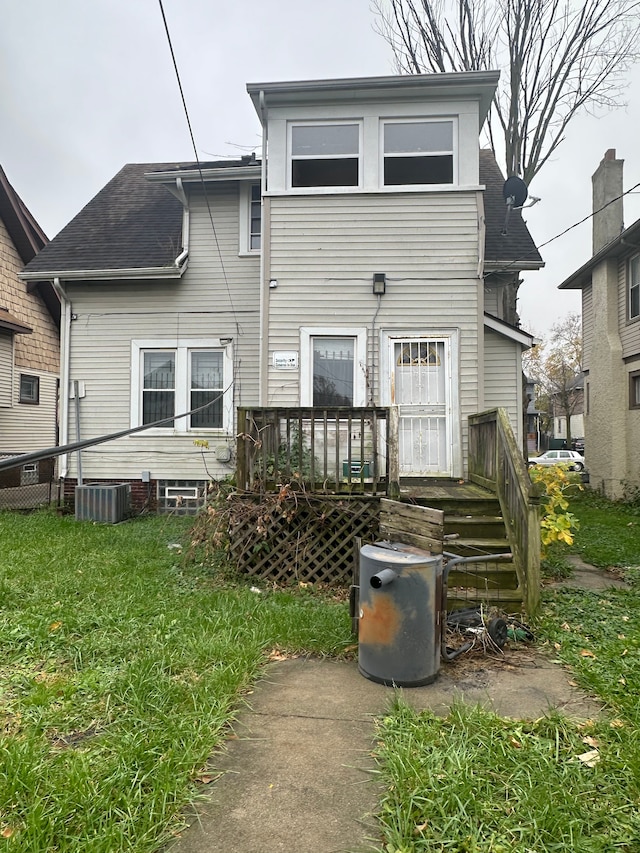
{"points": [[532, 589], [242, 472], [393, 460]]}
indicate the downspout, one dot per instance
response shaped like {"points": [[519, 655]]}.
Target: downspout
{"points": [[184, 254], [264, 290], [65, 340]]}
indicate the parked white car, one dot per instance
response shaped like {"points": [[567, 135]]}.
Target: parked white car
{"points": [[571, 458]]}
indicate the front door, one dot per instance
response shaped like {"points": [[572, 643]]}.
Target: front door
{"points": [[420, 377]]}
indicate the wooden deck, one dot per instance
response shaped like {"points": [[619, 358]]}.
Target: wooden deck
{"points": [[423, 489]]}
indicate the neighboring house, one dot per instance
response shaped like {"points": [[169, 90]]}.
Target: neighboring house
{"points": [[29, 345], [610, 284], [363, 260], [571, 400]]}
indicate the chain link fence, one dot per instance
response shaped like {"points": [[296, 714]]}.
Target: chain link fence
{"points": [[28, 486]]}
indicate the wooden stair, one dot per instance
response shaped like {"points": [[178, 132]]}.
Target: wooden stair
{"points": [[473, 526]]}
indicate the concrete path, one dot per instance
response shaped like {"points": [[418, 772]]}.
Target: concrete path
{"points": [[299, 777]]}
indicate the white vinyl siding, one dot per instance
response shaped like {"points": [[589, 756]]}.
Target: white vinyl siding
{"points": [[203, 305], [325, 250], [503, 377], [6, 368]]}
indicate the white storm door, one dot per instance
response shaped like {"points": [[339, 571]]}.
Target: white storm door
{"points": [[420, 387]]}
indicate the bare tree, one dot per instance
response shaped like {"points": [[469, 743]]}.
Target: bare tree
{"points": [[555, 367], [557, 57]]}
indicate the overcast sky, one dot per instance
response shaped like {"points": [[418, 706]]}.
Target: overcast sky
{"points": [[88, 85]]}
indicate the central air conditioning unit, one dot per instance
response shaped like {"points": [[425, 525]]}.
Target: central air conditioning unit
{"points": [[105, 503]]}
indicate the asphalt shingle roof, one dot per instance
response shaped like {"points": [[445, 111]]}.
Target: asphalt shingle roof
{"points": [[134, 223], [518, 244]]}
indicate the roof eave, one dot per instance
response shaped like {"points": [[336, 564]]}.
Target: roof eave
{"points": [[136, 274], [476, 84], [235, 173], [508, 331], [515, 266], [582, 276]]}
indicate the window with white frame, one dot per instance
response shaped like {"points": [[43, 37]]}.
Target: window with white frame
{"points": [[170, 378], [332, 369], [418, 152], [634, 288], [250, 230], [324, 155]]}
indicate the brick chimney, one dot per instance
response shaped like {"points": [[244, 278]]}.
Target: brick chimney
{"points": [[607, 185]]}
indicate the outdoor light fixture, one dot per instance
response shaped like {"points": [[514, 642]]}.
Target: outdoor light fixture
{"points": [[379, 283]]}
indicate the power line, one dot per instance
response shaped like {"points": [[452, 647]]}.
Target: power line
{"points": [[202, 181]]}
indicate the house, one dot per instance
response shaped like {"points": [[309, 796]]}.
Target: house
{"points": [[610, 285], [568, 400], [29, 350], [363, 260]]}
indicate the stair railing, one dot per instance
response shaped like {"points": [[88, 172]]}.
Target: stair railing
{"points": [[496, 462]]}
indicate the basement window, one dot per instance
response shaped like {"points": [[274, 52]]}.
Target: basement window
{"points": [[634, 390]]}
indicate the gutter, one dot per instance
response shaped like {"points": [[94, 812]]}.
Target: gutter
{"points": [[181, 261], [136, 273], [65, 341]]}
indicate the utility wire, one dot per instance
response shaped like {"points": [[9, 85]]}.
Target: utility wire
{"points": [[514, 263], [202, 181]]}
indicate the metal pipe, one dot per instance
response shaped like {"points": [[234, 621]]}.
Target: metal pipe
{"points": [[76, 394], [383, 578], [65, 341]]}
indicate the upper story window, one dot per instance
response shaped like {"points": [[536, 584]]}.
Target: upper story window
{"points": [[634, 390], [325, 155], [418, 152], [634, 288]]}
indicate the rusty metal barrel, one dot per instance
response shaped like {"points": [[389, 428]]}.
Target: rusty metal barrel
{"points": [[400, 612]]}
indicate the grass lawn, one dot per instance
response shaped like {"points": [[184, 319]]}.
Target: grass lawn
{"points": [[476, 783], [121, 668]]}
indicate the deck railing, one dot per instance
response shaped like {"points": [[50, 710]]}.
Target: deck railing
{"points": [[496, 462], [325, 449]]}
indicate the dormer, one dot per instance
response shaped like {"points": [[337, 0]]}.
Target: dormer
{"points": [[375, 134]]}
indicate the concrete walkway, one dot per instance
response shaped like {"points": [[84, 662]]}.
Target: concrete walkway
{"points": [[299, 777]]}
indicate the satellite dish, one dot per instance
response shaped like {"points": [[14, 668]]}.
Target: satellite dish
{"points": [[515, 191], [515, 194]]}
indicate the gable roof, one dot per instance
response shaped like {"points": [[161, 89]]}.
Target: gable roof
{"points": [[133, 226], [27, 237]]}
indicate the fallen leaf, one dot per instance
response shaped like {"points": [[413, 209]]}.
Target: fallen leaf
{"points": [[7, 832], [622, 681], [591, 758], [590, 741], [625, 652], [573, 683], [625, 618], [617, 724], [622, 636], [55, 625], [205, 778], [565, 626], [557, 646], [515, 743], [586, 653], [420, 828]]}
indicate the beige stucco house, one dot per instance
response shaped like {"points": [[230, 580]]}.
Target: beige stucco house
{"points": [[29, 345], [362, 259], [610, 284]]}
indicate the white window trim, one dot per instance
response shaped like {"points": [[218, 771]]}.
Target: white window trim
{"points": [[415, 120], [307, 334], [244, 229], [182, 348], [324, 123]]}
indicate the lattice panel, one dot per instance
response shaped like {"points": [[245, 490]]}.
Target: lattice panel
{"points": [[309, 539]]}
